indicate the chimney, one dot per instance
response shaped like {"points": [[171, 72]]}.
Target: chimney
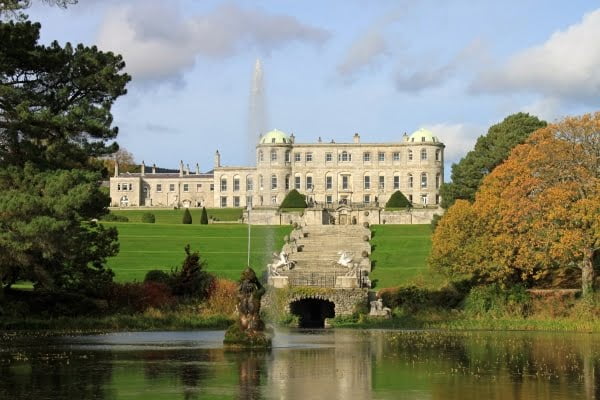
{"points": [[217, 159], [197, 169], [356, 138], [180, 167], [143, 169], [292, 138], [153, 168], [116, 167], [187, 169]]}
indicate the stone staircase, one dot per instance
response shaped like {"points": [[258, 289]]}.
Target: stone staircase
{"points": [[314, 251]]}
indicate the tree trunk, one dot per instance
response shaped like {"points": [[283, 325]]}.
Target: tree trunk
{"points": [[587, 272]]}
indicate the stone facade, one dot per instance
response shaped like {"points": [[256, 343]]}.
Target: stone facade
{"points": [[345, 300], [329, 174]]}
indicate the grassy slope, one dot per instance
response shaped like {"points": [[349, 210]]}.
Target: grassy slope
{"points": [[400, 255], [223, 246], [175, 216]]}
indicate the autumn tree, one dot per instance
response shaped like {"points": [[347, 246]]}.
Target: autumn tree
{"points": [[489, 151], [535, 214], [125, 160]]}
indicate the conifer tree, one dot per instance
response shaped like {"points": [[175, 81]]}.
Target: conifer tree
{"points": [[187, 216]]}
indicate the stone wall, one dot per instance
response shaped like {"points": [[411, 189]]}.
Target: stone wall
{"points": [[345, 300]]}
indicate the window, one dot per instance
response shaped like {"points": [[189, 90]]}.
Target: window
{"points": [[423, 154], [223, 201], [287, 156], [367, 182], [328, 157], [260, 182], [273, 155], [186, 187], [297, 157], [422, 138], [309, 183], [410, 198], [223, 184], [424, 199], [410, 155], [410, 180], [249, 184], [297, 182], [437, 181], [381, 156], [159, 187], [171, 187], [212, 187], [236, 184], [287, 182], [273, 182], [236, 201], [396, 156], [396, 182], [118, 186], [328, 182], [437, 155], [328, 199], [345, 182], [367, 199], [198, 187], [382, 182], [260, 156], [308, 157], [345, 156], [366, 156], [272, 140], [274, 200], [437, 199], [423, 180]]}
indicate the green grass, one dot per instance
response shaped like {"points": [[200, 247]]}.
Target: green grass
{"points": [[169, 216], [400, 256], [223, 246]]}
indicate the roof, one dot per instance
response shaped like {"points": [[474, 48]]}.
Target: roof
{"points": [[162, 175], [422, 135], [275, 136]]}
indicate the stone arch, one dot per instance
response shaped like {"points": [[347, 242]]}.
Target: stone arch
{"points": [[312, 311]]}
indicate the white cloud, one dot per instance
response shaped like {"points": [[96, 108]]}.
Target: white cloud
{"points": [[364, 52], [157, 42], [458, 138], [567, 65], [547, 108]]}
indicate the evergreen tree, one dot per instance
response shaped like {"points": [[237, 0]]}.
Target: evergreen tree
{"points": [[489, 151], [398, 200], [204, 217], [187, 216], [294, 199]]}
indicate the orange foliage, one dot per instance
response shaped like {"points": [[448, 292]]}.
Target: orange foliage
{"points": [[222, 297]]}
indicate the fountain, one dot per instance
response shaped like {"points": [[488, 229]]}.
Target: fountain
{"points": [[257, 113]]}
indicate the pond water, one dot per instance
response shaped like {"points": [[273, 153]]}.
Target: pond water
{"points": [[304, 364]]}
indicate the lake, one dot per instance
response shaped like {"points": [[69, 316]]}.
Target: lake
{"points": [[304, 364]]}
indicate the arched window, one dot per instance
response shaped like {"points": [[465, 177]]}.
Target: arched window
{"points": [[249, 183], [287, 156], [273, 155], [423, 180], [437, 181], [236, 183], [410, 181], [423, 154], [438, 155], [297, 182], [309, 182], [273, 182], [344, 156], [223, 184], [410, 156], [260, 156]]}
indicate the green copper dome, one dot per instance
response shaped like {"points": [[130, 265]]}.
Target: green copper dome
{"points": [[275, 137], [422, 135]]}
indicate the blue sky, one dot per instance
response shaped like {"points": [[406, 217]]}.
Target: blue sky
{"points": [[380, 68]]}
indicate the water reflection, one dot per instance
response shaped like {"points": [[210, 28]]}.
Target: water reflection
{"points": [[304, 364]]}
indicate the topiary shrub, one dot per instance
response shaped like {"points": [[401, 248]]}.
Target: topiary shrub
{"points": [[398, 200], [148, 218], [204, 217], [114, 218], [157, 275], [294, 199], [187, 217]]}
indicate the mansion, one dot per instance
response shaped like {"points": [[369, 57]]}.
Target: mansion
{"points": [[327, 173]]}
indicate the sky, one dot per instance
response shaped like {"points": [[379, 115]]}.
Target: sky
{"points": [[333, 68]]}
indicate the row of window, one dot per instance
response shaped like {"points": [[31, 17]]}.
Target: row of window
{"points": [[346, 156], [345, 182], [122, 187], [159, 187]]}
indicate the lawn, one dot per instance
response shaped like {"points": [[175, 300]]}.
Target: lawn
{"points": [[170, 216], [223, 246], [400, 255]]}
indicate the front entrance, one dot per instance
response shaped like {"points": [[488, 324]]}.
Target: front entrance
{"points": [[343, 219], [312, 312]]}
